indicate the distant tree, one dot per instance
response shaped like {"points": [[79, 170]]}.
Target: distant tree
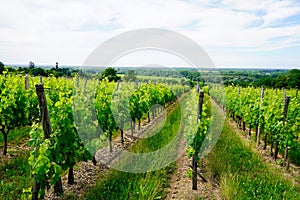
{"points": [[130, 75], [111, 74], [2, 67], [56, 65], [293, 78], [281, 81], [31, 65], [267, 82], [20, 70], [37, 71], [242, 83], [10, 69]]}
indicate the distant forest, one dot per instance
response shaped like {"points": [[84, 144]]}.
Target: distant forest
{"points": [[273, 78]]}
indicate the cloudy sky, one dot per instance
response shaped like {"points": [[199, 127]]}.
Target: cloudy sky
{"points": [[234, 33]]}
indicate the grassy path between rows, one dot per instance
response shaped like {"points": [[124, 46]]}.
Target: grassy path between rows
{"points": [[151, 185], [15, 171], [242, 173]]}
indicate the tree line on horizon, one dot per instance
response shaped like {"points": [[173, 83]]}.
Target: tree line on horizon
{"points": [[38, 71], [241, 77]]}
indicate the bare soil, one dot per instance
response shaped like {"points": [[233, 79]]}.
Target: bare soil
{"points": [[14, 149]]}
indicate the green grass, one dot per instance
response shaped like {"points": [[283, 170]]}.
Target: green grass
{"points": [[162, 138], [122, 185], [242, 174], [15, 173], [14, 177]]}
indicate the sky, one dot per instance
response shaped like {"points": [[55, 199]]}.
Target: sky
{"points": [[234, 33]]}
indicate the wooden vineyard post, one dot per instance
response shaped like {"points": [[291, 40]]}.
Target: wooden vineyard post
{"points": [[26, 82], [200, 105], [77, 81], [41, 79], [285, 109], [194, 159], [132, 126], [117, 87], [242, 119], [156, 111], [195, 166], [84, 86], [286, 106], [260, 123], [237, 116], [45, 119], [136, 84]]}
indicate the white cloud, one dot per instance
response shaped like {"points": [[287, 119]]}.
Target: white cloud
{"points": [[279, 10], [67, 31]]}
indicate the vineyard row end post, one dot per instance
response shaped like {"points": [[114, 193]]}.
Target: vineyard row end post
{"points": [[45, 119], [194, 159], [260, 129]]}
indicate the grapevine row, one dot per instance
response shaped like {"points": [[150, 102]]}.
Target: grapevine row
{"points": [[63, 148], [274, 114], [196, 127]]}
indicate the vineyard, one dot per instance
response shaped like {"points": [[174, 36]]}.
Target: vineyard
{"points": [[273, 114], [51, 126], [150, 100], [69, 134]]}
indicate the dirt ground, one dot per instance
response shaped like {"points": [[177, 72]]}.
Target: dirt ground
{"points": [[181, 184]]}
